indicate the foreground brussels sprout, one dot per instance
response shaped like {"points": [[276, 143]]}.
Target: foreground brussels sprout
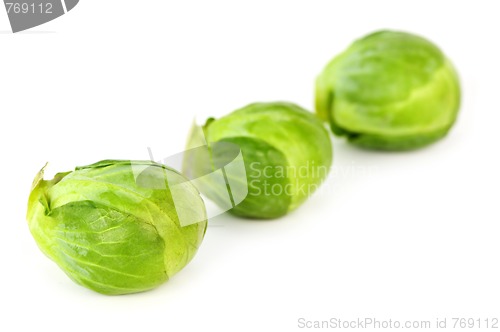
{"points": [[389, 90], [286, 152], [114, 226]]}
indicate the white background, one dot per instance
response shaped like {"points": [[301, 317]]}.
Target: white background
{"points": [[401, 236]]}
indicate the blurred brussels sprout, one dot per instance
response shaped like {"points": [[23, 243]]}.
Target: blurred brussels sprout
{"points": [[286, 152], [389, 90], [114, 226]]}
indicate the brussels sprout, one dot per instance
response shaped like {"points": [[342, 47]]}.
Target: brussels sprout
{"points": [[286, 153], [114, 226], [389, 90]]}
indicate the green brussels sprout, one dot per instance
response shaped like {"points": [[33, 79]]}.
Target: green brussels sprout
{"points": [[389, 90], [115, 226], [286, 152]]}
